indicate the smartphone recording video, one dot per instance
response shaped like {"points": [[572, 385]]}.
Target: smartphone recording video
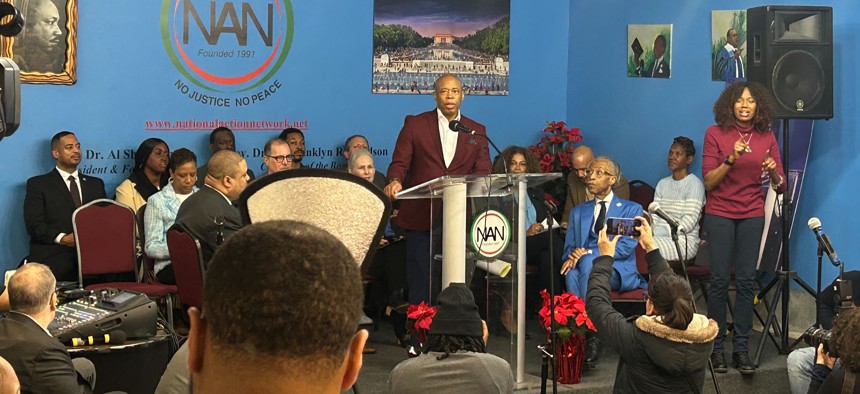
{"points": [[622, 226]]}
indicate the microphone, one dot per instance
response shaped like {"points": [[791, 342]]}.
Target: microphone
{"points": [[455, 125], [655, 209], [115, 337], [823, 240]]}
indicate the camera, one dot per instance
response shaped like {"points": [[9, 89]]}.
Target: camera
{"points": [[814, 336], [622, 226]]}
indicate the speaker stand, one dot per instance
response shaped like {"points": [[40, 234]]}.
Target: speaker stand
{"points": [[784, 276]]}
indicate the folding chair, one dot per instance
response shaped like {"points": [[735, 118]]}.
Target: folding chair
{"points": [[187, 264], [104, 235], [638, 295], [641, 193], [350, 208]]}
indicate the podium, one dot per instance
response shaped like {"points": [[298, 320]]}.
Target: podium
{"points": [[498, 195]]}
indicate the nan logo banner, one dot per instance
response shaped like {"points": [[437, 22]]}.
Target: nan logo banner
{"points": [[227, 52]]}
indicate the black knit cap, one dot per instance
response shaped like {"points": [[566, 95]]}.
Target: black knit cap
{"points": [[457, 313]]}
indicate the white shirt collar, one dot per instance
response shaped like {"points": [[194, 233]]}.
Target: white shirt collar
{"points": [[34, 320], [729, 47], [447, 137], [608, 199], [442, 116], [219, 192], [65, 175]]}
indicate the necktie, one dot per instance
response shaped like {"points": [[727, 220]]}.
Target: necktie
{"points": [[75, 192], [601, 217]]}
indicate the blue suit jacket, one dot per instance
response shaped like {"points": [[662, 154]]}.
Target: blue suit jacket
{"points": [[579, 228]]}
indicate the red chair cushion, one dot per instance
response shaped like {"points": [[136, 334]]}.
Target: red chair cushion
{"points": [[150, 289], [632, 295]]}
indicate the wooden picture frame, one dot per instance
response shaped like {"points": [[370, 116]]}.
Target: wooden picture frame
{"points": [[46, 49]]}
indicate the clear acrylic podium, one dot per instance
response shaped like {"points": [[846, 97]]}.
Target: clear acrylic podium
{"points": [[502, 193]]}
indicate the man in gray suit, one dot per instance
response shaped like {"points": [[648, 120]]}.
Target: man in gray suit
{"points": [[209, 214]]}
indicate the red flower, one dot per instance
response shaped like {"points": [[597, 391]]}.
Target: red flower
{"points": [[569, 313], [422, 314]]}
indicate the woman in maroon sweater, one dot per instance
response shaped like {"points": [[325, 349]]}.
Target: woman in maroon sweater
{"points": [[739, 154]]}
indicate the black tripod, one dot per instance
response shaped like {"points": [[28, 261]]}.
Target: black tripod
{"points": [[683, 260], [784, 276]]}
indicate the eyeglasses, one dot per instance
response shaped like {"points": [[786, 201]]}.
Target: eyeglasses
{"points": [[598, 173], [282, 159]]}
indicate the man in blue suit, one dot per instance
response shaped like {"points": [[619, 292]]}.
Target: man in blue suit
{"points": [[580, 244]]}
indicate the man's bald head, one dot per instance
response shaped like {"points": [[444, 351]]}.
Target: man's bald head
{"points": [[31, 288], [581, 159]]}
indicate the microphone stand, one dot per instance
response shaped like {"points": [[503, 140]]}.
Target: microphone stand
{"points": [[458, 127], [676, 241], [550, 356]]}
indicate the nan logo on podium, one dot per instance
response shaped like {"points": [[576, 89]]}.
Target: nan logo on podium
{"points": [[490, 234]]}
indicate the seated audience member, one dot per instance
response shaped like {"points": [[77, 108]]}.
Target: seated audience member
{"points": [[681, 196], [454, 359], [148, 176], [358, 141], [209, 214], [175, 379], [49, 203], [41, 362], [845, 341], [538, 219], [277, 156], [577, 182], [9, 383], [162, 208], [580, 243], [665, 351], [296, 139], [361, 165], [283, 300], [221, 138], [802, 360]]}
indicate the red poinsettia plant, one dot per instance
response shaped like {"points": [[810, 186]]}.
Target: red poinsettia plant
{"points": [[569, 314], [418, 319], [554, 151]]}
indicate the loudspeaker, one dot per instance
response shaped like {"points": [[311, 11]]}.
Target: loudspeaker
{"points": [[791, 52]]}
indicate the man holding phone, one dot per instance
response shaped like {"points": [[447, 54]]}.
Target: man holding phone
{"points": [[580, 243]]}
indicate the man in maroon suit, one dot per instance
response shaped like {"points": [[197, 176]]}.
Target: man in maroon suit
{"points": [[426, 149]]}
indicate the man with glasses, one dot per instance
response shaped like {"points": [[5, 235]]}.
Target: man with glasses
{"points": [[221, 138], [277, 156], [209, 214], [577, 190], [426, 149], [580, 243]]}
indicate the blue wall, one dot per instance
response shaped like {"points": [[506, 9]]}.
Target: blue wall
{"points": [[634, 120], [125, 78]]}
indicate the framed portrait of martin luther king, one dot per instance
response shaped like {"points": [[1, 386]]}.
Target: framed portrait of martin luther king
{"points": [[46, 49]]}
